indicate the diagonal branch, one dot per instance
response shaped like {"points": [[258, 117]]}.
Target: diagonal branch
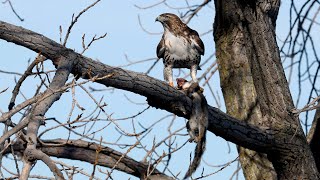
{"points": [[158, 93], [37, 115]]}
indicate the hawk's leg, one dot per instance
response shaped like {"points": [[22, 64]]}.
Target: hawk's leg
{"points": [[167, 73], [193, 72]]}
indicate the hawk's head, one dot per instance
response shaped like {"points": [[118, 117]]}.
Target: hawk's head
{"points": [[170, 21]]}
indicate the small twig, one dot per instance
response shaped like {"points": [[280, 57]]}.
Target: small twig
{"points": [[74, 20], [311, 106], [150, 6], [27, 73], [136, 62], [15, 160], [4, 90], [152, 66], [145, 30], [195, 11], [92, 40], [96, 159], [226, 165], [60, 33], [158, 144], [13, 10], [122, 156]]}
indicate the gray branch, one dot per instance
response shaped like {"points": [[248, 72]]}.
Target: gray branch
{"points": [[158, 93], [37, 115], [86, 151]]}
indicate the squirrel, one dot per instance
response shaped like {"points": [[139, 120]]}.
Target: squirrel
{"points": [[198, 121]]}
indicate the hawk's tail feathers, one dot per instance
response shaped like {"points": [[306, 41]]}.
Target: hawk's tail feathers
{"points": [[199, 150]]}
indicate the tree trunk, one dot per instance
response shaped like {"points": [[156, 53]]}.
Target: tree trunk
{"points": [[314, 137], [256, 91]]}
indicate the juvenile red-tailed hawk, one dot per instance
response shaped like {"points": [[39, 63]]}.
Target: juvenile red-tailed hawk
{"points": [[180, 47]]}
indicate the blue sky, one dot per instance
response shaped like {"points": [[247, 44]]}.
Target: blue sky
{"points": [[125, 37]]}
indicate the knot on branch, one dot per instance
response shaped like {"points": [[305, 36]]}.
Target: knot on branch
{"points": [[29, 155]]}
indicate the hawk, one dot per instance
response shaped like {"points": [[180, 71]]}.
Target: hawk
{"points": [[179, 47]]}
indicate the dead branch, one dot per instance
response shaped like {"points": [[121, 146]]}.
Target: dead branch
{"points": [[13, 10], [73, 21]]}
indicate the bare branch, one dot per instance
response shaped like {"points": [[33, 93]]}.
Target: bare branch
{"points": [[38, 111], [314, 104], [165, 97], [73, 21], [2, 91], [37, 154], [150, 6], [13, 10], [86, 47], [86, 151], [28, 72], [191, 13], [144, 29]]}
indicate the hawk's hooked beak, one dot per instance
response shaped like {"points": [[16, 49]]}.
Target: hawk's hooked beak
{"points": [[160, 18], [157, 19]]}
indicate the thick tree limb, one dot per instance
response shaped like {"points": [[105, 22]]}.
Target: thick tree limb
{"points": [[86, 151], [313, 137], [38, 154], [37, 115], [159, 94]]}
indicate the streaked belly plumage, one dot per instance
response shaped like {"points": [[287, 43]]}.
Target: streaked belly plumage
{"points": [[180, 52]]}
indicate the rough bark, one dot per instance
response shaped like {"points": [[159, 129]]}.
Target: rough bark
{"points": [[314, 137], [255, 88], [240, 94], [36, 116], [86, 151]]}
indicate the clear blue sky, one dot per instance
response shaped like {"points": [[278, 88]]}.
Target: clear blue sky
{"points": [[125, 37]]}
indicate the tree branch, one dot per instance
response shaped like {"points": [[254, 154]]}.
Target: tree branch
{"points": [[158, 93], [37, 115], [86, 151], [313, 137], [38, 154]]}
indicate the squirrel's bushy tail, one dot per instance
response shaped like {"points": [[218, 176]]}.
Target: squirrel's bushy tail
{"points": [[199, 150]]}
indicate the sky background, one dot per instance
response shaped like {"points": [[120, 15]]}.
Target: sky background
{"points": [[125, 40]]}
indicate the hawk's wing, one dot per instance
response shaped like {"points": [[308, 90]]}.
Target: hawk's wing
{"points": [[160, 48], [197, 42]]}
